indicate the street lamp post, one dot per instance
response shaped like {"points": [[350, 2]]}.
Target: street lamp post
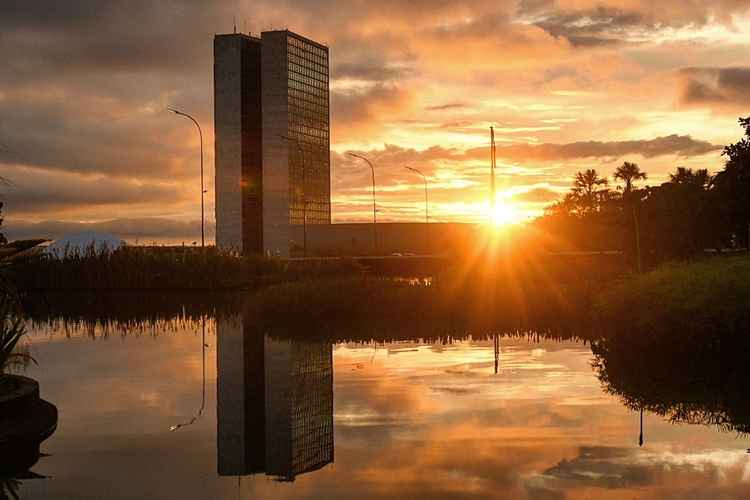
{"points": [[203, 189], [374, 210], [426, 202], [426, 205], [203, 385], [304, 193]]}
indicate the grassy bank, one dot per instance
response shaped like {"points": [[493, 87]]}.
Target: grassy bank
{"points": [[703, 298], [450, 303]]}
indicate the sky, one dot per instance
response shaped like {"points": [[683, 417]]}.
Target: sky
{"points": [[87, 143]]}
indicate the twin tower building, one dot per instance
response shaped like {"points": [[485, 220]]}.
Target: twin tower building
{"points": [[272, 126]]}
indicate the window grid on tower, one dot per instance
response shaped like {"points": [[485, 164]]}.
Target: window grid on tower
{"points": [[309, 127]]}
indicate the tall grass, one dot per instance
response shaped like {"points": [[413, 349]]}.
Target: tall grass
{"points": [[153, 268]]}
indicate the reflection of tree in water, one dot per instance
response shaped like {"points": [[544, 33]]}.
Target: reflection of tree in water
{"points": [[685, 379]]}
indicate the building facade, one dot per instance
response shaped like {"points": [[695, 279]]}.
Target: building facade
{"points": [[272, 126]]}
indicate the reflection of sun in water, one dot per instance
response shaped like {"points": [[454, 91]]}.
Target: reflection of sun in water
{"points": [[505, 213]]}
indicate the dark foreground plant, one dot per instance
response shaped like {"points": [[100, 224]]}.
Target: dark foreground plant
{"points": [[12, 329]]}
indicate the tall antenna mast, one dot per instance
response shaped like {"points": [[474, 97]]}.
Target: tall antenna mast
{"points": [[234, 22], [492, 173]]}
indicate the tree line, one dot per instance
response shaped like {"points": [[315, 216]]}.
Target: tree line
{"points": [[691, 212]]}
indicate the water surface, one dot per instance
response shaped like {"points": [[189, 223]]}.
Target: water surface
{"points": [[256, 416]]}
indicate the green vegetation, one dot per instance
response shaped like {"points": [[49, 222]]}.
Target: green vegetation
{"points": [[154, 268], [705, 299], [680, 218], [674, 342], [483, 294], [450, 303]]}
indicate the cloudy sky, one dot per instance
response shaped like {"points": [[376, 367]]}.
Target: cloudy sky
{"points": [[568, 84]]}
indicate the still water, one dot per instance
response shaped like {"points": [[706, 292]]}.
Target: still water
{"points": [[186, 409]]}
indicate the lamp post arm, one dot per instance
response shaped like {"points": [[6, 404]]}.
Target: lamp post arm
{"points": [[203, 189], [374, 206], [426, 200]]}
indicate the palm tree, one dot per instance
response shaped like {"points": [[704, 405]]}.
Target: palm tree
{"points": [[629, 173], [698, 178], [586, 189], [585, 183]]}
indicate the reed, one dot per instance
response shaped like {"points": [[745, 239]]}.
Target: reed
{"points": [[155, 268]]}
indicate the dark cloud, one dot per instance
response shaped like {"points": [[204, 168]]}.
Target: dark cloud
{"points": [[447, 106], [679, 145], [374, 71], [36, 192], [594, 27], [715, 87], [360, 108], [85, 83], [80, 134], [119, 35], [537, 195], [593, 24], [142, 230]]}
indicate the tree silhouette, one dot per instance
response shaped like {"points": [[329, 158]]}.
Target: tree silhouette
{"points": [[681, 218], [732, 186], [699, 178], [586, 183], [586, 192], [629, 173]]}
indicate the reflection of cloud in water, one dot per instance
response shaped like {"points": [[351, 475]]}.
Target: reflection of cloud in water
{"points": [[597, 466], [625, 468], [456, 390], [404, 426]]}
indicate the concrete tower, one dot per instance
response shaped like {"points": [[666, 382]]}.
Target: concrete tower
{"points": [[272, 125]]}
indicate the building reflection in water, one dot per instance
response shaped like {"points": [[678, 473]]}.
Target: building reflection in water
{"points": [[274, 403]]}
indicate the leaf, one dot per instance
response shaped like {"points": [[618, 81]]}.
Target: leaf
{"points": [[23, 355]]}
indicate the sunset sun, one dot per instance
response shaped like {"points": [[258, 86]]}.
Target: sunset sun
{"points": [[505, 213]]}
